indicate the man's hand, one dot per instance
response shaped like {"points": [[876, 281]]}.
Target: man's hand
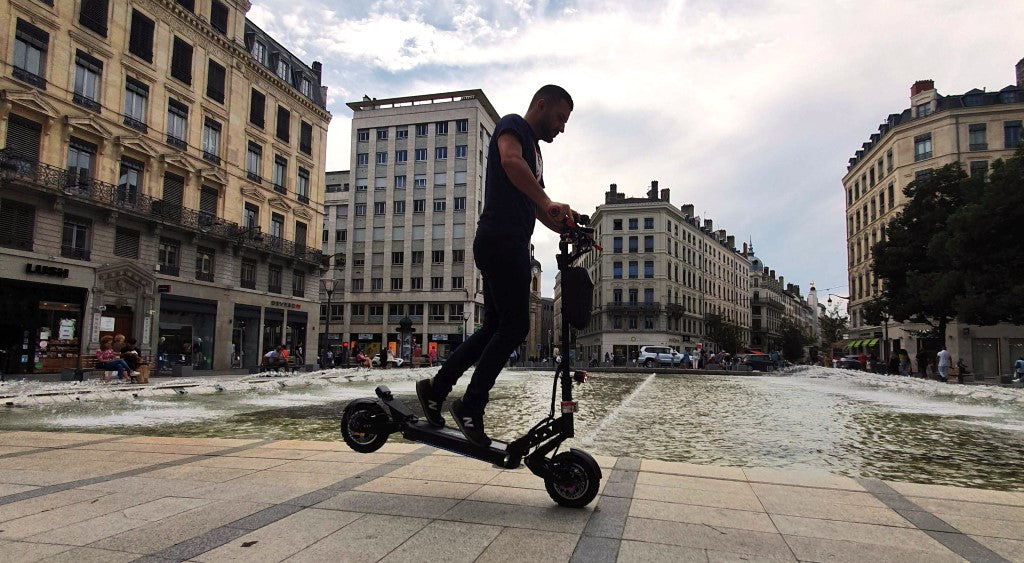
{"points": [[554, 215]]}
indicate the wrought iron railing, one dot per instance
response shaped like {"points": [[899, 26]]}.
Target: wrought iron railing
{"points": [[55, 180]]}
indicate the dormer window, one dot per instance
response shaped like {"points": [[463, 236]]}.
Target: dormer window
{"points": [[282, 69], [924, 109], [306, 87], [259, 52]]}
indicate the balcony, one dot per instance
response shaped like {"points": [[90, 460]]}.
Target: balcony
{"points": [[204, 276], [168, 269], [211, 157], [136, 124], [254, 177], [86, 102], [176, 142], [280, 189], [19, 173], [304, 199], [29, 78], [73, 252], [633, 306]]}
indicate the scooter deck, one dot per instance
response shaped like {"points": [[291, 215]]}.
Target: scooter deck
{"points": [[453, 440]]}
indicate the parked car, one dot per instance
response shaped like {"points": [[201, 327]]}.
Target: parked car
{"points": [[659, 355], [759, 362], [848, 362]]}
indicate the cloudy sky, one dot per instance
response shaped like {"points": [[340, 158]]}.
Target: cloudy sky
{"points": [[747, 109]]}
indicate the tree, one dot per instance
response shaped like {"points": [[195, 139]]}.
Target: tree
{"points": [[793, 339], [723, 333], [833, 327], [921, 283]]}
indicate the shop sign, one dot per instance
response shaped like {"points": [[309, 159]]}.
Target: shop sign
{"points": [[163, 288], [54, 271], [106, 324], [365, 336], [285, 304], [441, 337]]}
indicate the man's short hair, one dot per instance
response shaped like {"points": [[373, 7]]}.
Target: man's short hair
{"points": [[552, 93]]}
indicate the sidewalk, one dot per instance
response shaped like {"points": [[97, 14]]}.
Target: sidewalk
{"points": [[93, 497]]}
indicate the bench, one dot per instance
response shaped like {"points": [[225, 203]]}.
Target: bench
{"points": [[420, 361], [88, 363], [290, 365]]}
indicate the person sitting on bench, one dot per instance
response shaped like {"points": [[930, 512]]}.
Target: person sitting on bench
{"points": [[108, 359], [275, 358]]}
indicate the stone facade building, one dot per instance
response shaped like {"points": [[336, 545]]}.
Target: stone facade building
{"points": [[973, 128], [162, 177], [405, 220]]}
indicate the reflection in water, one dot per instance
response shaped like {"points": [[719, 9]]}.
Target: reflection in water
{"points": [[834, 420]]}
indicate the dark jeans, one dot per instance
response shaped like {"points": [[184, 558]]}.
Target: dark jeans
{"points": [[505, 268], [117, 364]]}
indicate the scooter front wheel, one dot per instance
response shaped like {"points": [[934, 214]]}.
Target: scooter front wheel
{"points": [[360, 427], [575, 483]]}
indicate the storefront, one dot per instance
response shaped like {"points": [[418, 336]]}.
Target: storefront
{"points": [[273, 328], [187, 327], [245, 336], [41, 327], [295, 334]]}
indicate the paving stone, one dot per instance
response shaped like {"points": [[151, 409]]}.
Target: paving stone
{"points": [[609, 518], [957, 493], [419, 487], [985, 526], [144, 484], [49, 439], [90, 554], [199, 473], [283, 538], [784, 493], [967, 508], [680, 468], [235, 462], [799, 506], [845, 551], [265, 452], [552, 518], [165, 448], [265, 517], [382, 503], [696, 483], [367, 539], [480, 475], [717, 517], [198, 545], [702, 536], [640, 552], [1012, 550], [702, 498], [65, 516], [507, 495], [905, 538], [593, 549], [529, 545], [450, 542], [356, 457], [801, 478], [10, 489], [518, 478], [338, 470], [44, 503]]}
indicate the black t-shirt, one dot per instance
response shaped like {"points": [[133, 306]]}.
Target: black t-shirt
{"points": [[508, 213]]}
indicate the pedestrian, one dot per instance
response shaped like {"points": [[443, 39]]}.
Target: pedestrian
{"points": [[944, 361], [607, 359], [904, 363], [863, 359], [961, 371], [922, 363], [161, 354], [686, 359], [1018, 368], [514, 199]]}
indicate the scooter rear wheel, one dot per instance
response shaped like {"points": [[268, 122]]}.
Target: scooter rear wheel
{"points": [[576, 483], [358, 428]]}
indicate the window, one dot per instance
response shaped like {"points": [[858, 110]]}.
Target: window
{"points": [[306, 87], [436, 282], [419, 181], [274, 275], [633, 244], [396, 284], [88, 73], [1011, 134], [462, 126], [441, 128], [421, 129], [461, 151], [976, 137], [283, 123], [341, 235], [259, 52], [126, 243], [181, 61], [458, 256], [362, 159], [168, 254], [257, 108], [282, 69], [979, 169], [459, 204], [302, 185], [363, 135], [93, 15], [140, 39], [401, 157], [633, 224], [617, 245], [617, 224], [402, 133], [649, 243], [382, 158], [298, 283], [440, 153], [924, 109], [400, 182], [136, 96], [81, 156], [357, 285], [379, 208], [75, 239], [360, 209], [416, 283], [458, 282], [280, 173], [251, 216], [305, 137], [617, 270], [400, 207], [276, 227], [417, 256], [189, 5], [177, 123], [376, 284], [204, 263], [211, 141], [129, 182], [648, 295], [648, 222], [253, 156], [30, 44], [382, 134], [397, 258], [648, 268], [439, 205], [437, 257], [419, 206], [421, 155], [219, 16], [892, 195], [633, 269], [215, 81], [888, 161], [922, 147]]}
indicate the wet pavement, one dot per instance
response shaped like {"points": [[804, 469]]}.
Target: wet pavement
{"points": [[82, 497]]}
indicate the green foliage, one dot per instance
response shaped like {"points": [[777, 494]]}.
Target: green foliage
{"points": [[833, 327], [723, 333], [793, 339]]}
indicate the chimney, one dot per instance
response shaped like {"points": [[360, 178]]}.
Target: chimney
{"points": [[664, 195], [921, 86], [317, 70], [652, 193], [771, 273], [613, 187], [709, 225], [744, 249], [765, 270], [610, 195], [731, 241], [687, 210], [782, 281], [1020, 73]]}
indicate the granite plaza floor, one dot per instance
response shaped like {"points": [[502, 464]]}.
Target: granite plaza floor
{"points": [[92, 497]]}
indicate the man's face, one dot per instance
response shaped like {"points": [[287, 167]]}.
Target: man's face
{"points": [[553, 118]]}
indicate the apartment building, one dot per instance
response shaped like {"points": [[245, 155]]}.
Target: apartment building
{"points": [[662, 272], [405, 219], [772, 300], [973, 128], [145, 191]]}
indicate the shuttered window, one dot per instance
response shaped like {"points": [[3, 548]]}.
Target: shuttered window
{"points": [[257, 108], [23, 138], [140, 42], [174, 189], [215, 81], [181, 61], [305, 137], [219, 16], [126, 243], [93, 15], [208, 198], [283, 123], [17, 223]]}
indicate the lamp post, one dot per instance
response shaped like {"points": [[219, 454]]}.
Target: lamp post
{"points": [[329, 287], [465, 327]]}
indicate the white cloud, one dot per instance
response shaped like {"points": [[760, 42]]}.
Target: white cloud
{"points": [[747, 109]]}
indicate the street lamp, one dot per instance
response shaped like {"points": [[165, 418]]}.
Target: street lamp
{"points": [[329, 287], [465, 327]]}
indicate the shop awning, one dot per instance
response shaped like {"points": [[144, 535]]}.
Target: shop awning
{"points": [[854, 343], [872, 342]]}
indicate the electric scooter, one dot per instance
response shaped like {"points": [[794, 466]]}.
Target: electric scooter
{"points": [[571, 477]]}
